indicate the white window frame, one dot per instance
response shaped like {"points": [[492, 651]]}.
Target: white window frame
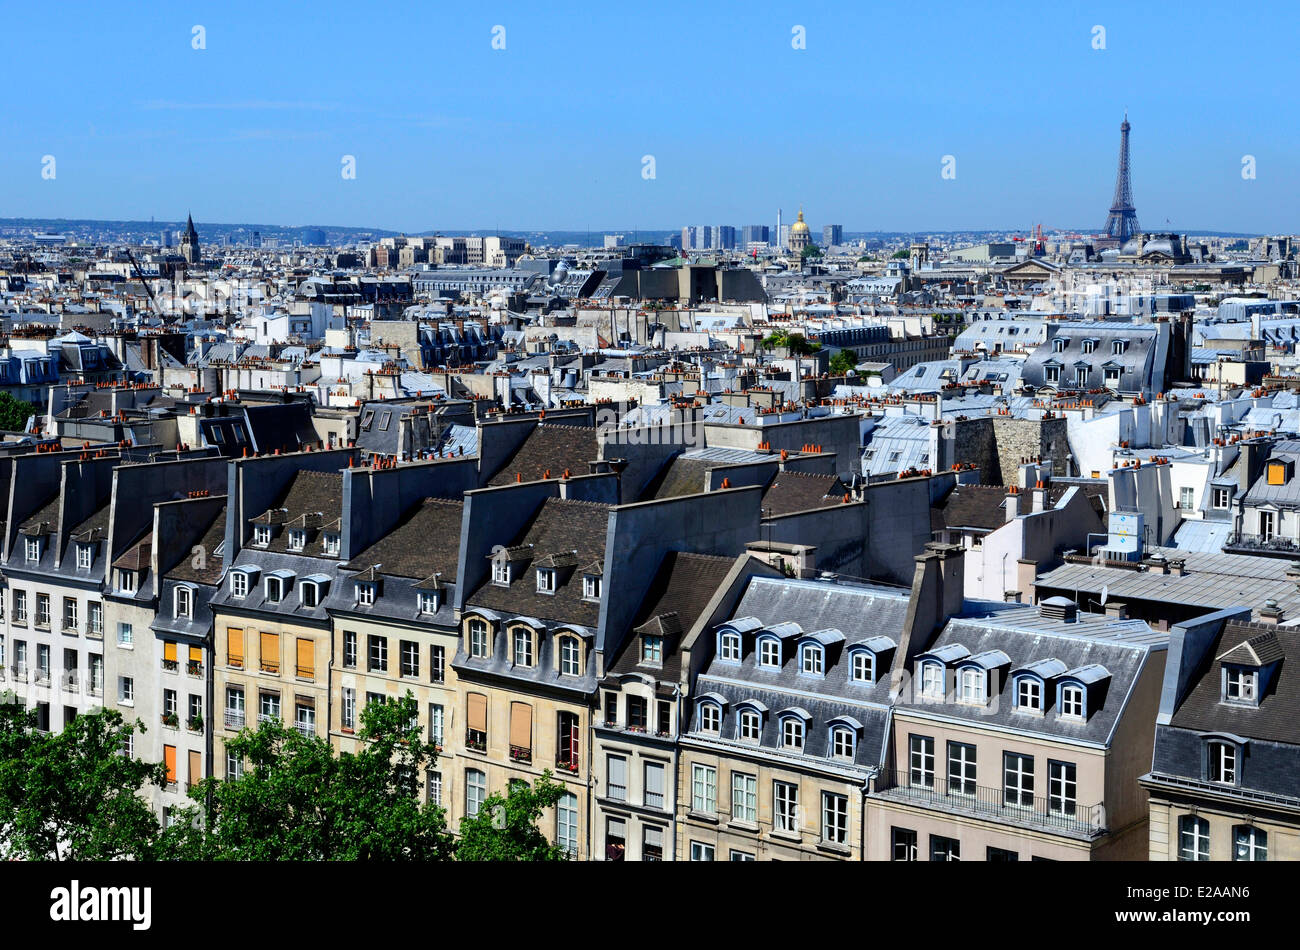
{"points": [[843, 743], [1221, 762], [479, 638], [590, 587], [1193, 838], [863, 667], [1240, 685], [85, 557], [749, 726], [365, 594], [812, 660], [729, 646], [766, 646], [1073, 701], [934, 676], [33, 550], [182, 601], [262, 535], [522, 648], [546, 580], [704, 789], [1029, 688], [792, 733], [297, 539], [710, 717], [239, 584], [835, 818], [570, 656], [785, 807], [972, 685], [744, 797], [428, 601]]}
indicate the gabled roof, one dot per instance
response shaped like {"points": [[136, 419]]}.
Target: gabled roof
{"points": [[1260, 650], [550, 447]]}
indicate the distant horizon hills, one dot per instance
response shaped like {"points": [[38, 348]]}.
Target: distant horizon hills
{"points": [[590, 238]]}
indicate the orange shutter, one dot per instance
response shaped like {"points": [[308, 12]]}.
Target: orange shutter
{"points": [[235, 647], [477, 712], [196, 767], [306, 666], [270, 652], [521, 725], [169, 651], [169, 758], [196, 654]]}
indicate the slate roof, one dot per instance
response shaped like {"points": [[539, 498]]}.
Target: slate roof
{"points": [[212, 542], [972, 506], [681, 476], [794, 491], [560, 526], [426, 542], [310, 493], [554, 447]]}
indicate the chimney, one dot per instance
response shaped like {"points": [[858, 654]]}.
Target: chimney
{"points": [[1270, 613], [1116, 610], [1039, 496], [1012, 504]]}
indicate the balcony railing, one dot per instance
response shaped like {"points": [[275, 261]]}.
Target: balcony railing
{"points": [[307, 729], [69, 681], [268, 717], [194, 668], [270, 666], [234, 719], [171, 666], [70, 628], [1262, 542], [95, 632], [520, 753], [567, 763], [654, 800], [616, 792], [996, 804], [305, 672], [476, 739]]}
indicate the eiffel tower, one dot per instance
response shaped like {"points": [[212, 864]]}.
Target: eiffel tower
{"points": [[1122, 222]]}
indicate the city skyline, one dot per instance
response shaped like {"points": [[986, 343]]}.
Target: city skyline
{"points": [[255, 129]]}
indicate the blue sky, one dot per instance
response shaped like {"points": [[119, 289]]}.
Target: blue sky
{"points": [[550, 132]]}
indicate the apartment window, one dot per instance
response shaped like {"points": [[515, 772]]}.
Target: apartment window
{"points": [[842, 743], [238, 584], [475, 791], [1222, 765], [835, 818], [437, 719], [269, 652], [377, 654], [1052, 374], [704, 789], [652, 650], [751, 726], [932, 680], [1221, 498], [616, 777], [1117, 347], [169, 702], [785, 802], [349, 649], [545, 580], [437, 664], [664, 723], [428, 602], [20, 657], [234, 766], [1029, 694], [812, 660], [590, 587], [309, 593], [126, 690], [654, 785], [20, 607], [268, 706], [1058, 345], [744, 797], [944, 849], [234, 708], [710, 717], [33, 549], [349, 708], [1240, 685], [262, 535], [611, 708], [1072, 702], [42, 610], [566, 824], [652, 844], [735, 855], [365, 594], [1000, 854], [69, 613], [85, 556], [961, 768], [523, 646], [501, 573], [305, 659], [1062, 791], [615, 839], [973, 685], [864, 667], [1193, 838], [1249, 843], [570, 656], [297, 539], [304, 717], [729, 647], [921, 762], [567, 741], [95, 617], [1017, 780], [701, 851], [331, 544], [902, 844], [1185, 497], [478, 639], [792, 733], [43, 661], [96, 670], [434, 786], [769, 653], [1089, 345], [410, 655]]}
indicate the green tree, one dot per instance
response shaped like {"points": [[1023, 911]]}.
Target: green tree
{"points": [[505, 828], [899, 255], [812, 250], [843, 363], [73, 795], [14, 413], [297, 801]]}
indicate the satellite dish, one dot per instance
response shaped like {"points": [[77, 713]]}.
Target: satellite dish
{"points": [[1105, 592]]}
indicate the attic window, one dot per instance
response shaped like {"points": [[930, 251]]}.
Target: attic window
{"points": [[428, 601], [262, 535], [126, 581], [384, 418], [1277, 473], [501, 573], [274, 590], [1059, 344], [652, 650], [1073, 704], [1240, 685], [366, 418], [330, 543], [365, 594], [1117, 347], [297, 539], [545, 580], [85, 555], [590, 587], [33, 549]]}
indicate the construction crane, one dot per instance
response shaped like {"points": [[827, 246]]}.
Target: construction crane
{"points": [[139, 273]]}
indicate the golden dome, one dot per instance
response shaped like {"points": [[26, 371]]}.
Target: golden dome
{"points": [[799, 227]]}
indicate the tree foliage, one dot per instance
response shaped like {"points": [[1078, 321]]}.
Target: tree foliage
{"points": [[843, 363], [505, 828], [73, 795], [14, 413], [796, 343], [812, 250]]}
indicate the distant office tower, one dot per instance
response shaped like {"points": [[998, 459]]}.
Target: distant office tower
{"points": [[726, 237], [166, 238], [257, 239], [832, 234], [313, 237], [755, 234], [688, 239], [613, 240], [1122, 222]]}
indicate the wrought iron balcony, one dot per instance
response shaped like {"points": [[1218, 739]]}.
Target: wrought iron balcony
{"points": [[519, 753], [234, 719], [1262, 542], [476, 739]]}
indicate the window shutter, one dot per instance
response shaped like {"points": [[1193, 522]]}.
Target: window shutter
{"points": [[306, 666], [196, 767], [169, 651], [196, 654], [169, 757], [270, 644], [477, 712], [521, 725], [235, 647]]}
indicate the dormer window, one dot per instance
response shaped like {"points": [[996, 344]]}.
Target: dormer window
{"points": [[792, 733], [126, 581], [652, 650], [501, 573], [365, 594], [1221, 766], [729, 647], [238, 584], [1089, 345], [523, 646], [570, 656], [842, 743], [262, 535], [1029, 694], [710, 717], [545, 580], [1073, 703], [297, 539], [1059, 344], [749, 727], [972, 685], [309, 593], [769, 653], [590, 587], [812, 660], [1240, 685], [933, 676], [183, 601], [478, 639], [85, 556], [863, 667], [428, 601], [330, 544], [1117, 347], [274, 590], [33, 549]]}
